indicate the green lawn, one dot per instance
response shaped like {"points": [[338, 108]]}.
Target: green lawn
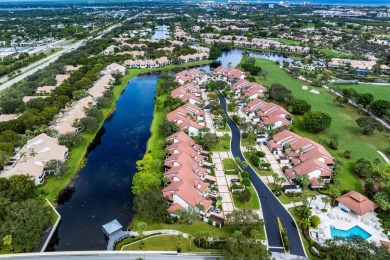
{"points": [[287, 41], [258, 171], [252, 204], [156, 139], [223, 145], [189, 229], [166, 243], [334, 53], [378, 91], [76, 160], [229, 166], [343, 123]]}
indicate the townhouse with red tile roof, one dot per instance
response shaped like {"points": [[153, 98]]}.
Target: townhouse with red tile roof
{"points": [[192, 75], [251, 90], [306, 156], [267, 115], [188, 117], [229, 74], [186, 172], [185, 96]]}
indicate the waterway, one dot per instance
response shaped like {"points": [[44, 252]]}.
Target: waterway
{"points": [[102, 190]]}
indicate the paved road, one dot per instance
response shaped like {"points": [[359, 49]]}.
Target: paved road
{"points": [[31, 69], [271, 206], [98, 255]]}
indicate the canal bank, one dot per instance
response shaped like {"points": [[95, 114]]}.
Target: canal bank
{"points": [[69, 184]]}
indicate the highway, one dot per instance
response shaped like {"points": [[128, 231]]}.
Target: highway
{"points": [[32, 68], [271, 206]]}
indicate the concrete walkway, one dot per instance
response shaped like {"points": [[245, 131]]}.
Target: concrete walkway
{"points": [[384, 157], [223, 181]]}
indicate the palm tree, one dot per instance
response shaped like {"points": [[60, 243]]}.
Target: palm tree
{"points": [[179, 237], [275, 176], [326, 201], [206, 236], [191, 238], [141, 227], [334, 193], [305, 181], [320, 180], [312, 197], [305, 223], [191, 216]]}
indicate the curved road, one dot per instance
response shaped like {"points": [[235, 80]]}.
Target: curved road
{"points": [[270, 205]]}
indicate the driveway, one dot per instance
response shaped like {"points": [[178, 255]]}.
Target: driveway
{"points": [[223, 181], [272, 208]]}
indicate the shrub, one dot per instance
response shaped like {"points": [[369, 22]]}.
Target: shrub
{"points": [[260, 154], [255, 160], [246, 182], [244, 174], [315, 221], [244, 196]]}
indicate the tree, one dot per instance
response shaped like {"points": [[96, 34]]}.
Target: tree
{"points": [[7, 241], [316, 121], [383, 200], [18, 188], [244, 196], [89, 123], [244, 221], [312, 197], [167, 128], [191, 239], [279, 93], [150, 206], [354, 247], [56, 167], [305, 223], [241, 247], [303, 180], [25, 222], [95, 112], [241, 163], [179, 238], [215, 52], [141, 227], [369, 125], [325, 200], [334, 142], [71, 139], [298, 106], [380, 107], [335, 193], [363, 168], [144, 181], [347, 154], [364, 99]]}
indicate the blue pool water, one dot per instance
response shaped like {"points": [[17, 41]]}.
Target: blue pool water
{"points": [[355, 231]]}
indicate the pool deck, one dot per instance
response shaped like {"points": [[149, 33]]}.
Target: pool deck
{"points": [[343, 220]]}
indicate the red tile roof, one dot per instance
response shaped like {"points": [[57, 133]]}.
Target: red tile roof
{"points": [[357, 202]]}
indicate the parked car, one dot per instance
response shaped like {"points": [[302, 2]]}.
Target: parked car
{"points": [[235, 180], [216, 210], [214, 192]]}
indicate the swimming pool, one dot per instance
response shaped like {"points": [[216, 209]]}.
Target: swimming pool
{"points": [[354, 231]]}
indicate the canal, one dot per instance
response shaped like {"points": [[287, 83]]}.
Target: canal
{"points": [[101, 191]]}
